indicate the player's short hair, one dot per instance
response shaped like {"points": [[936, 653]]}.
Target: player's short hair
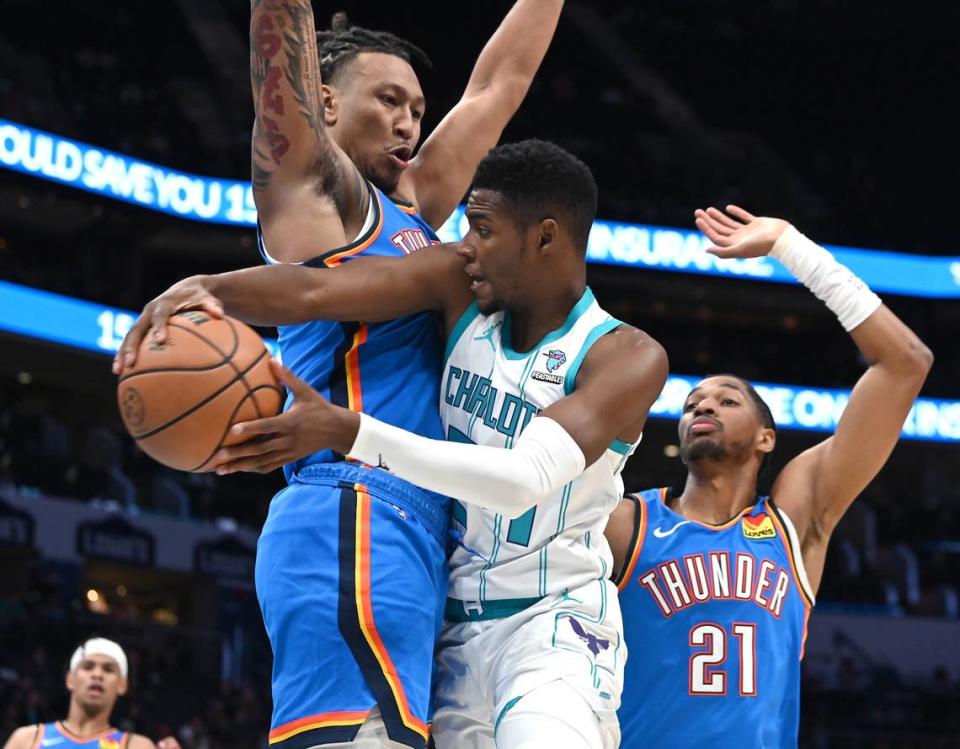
{"points": [[766, 415], [343, 41], [541, 180]]}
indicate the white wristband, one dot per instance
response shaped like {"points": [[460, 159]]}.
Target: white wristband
{"points": [[509, 481], [849, 298]]}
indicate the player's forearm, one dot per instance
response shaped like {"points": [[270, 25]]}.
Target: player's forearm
{"points": [[880, 335], [508, 481], [269, 295], [513, 54], [288, 134], [887, 343]]}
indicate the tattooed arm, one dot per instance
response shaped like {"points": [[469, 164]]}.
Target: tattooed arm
{"points": [[309, 196]]}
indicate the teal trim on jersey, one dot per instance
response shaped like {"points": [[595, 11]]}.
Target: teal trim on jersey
{"points": [[506, 709], [506, 339], [561, 522], [525, 374], [520, 529], [458, 511], [497, 527], [619, 446], [600, 617], [542, 572], [458, 611], [570, 380], [564, 503], [469, 315]]}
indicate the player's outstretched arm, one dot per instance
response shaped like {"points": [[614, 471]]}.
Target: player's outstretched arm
{"points": [[441, 173], [373, 289], [620, 379], [308, 193], [817, 487], [23, 738]]}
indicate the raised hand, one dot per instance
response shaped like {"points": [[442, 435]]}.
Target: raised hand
{"points": [[190, 293], [738, 233], [311, 424]]}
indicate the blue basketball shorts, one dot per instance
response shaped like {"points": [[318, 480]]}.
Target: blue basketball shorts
{"points": [[351, 578]]}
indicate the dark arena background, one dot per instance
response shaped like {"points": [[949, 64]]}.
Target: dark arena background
{"points": [[124, 147]]}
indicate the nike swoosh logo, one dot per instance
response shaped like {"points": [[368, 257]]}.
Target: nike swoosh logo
{"points": [[50, 742], [663, 534]]}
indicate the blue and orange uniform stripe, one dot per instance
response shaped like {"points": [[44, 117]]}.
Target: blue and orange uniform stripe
{"points": [[352, 362], [316, 545], [316, 722], [355, 615], [335, 258]]}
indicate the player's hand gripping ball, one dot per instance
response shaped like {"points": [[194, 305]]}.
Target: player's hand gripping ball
{"points": [[184, 393]]}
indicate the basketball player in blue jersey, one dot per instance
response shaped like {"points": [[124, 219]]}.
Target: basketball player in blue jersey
{"points": [[552, 391], [717, 582], [96, 679], [351, 568]]}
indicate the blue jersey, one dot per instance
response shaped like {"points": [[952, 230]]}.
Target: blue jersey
{"points": [[390, 370], [54, 735], [715, 618]]}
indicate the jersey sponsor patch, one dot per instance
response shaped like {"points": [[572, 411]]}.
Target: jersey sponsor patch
{"points": [[555, 360], [759, 526]]}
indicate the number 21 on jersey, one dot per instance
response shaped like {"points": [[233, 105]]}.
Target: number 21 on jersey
{"points": [[709, 669]]}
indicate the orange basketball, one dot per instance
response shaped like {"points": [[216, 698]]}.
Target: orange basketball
{"points": [[183, 395]]}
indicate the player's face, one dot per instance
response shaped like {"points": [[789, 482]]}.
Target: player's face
{"points": [[374, 113], [494, 252], [719, 421], [96, 683]]}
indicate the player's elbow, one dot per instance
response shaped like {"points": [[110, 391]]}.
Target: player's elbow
{"points": [[923, 357], [915, 359], [511, 498]]}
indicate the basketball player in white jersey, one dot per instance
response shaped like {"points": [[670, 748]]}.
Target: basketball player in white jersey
{"points": [[553, 391], [96, 680]]}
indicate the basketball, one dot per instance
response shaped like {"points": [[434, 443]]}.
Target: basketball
{"points": [[181, 398]]}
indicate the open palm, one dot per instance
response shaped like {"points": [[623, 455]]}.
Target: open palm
{"points": [[738, 233]]}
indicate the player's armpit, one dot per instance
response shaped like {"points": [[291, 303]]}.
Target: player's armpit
{"points": [[621, 377]]}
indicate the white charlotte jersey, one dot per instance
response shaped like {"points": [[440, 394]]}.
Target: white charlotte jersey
{"points": [[490, 393]]}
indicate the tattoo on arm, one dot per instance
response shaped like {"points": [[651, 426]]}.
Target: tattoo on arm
{"points": [[283, 50]]}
